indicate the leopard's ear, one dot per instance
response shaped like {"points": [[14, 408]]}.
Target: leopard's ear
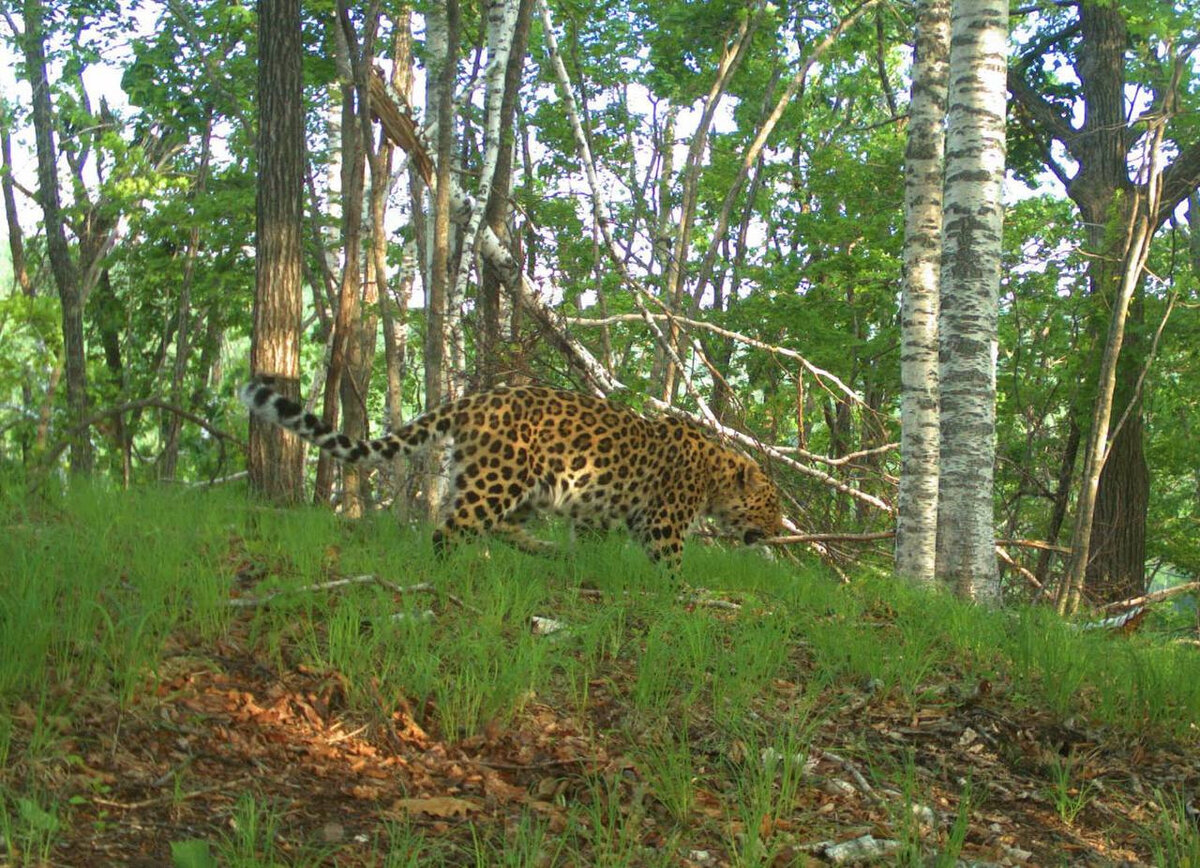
{"points": [[750, 477]]}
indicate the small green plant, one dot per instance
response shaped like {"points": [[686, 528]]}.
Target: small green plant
{"points": [[6, 736], [1070, 796], [768, 781], [956, 837], [1174, 837], [909, 814], [401, 845], [611, 833], [658, 679], [28, 828], [670, 770], [192, 853], [255, 826], [527, 843]]}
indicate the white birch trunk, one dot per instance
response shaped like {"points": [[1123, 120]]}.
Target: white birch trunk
{"points": [[916, 520], [971, 234], [501, 23], [438, 51]]}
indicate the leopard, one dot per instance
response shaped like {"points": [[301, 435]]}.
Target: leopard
{"points": [[520, 451]]}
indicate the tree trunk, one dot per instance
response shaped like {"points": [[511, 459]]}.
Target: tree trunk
{"points": [[970, 281], [1103, 141], [16, 242], [66, 275], [443, 28], [360, 339], [1116, 569], [677, 273], [183, 343], [491, 299], [1139, 232], [108, 316], [916, 518], [16, 249], [1061, 498], [393, 303], [276, 462]]}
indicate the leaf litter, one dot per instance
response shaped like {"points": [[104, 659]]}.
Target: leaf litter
{"points": [[217, 722]]}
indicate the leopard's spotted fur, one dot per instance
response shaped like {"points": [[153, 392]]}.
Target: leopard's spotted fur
{"points": [[518, 451]]}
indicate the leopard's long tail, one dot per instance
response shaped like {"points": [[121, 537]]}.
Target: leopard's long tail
{"points": [[267, 404]]}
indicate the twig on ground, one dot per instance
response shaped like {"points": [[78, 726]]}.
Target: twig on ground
{"points": [[247, 602], [861, 782], [419, 588], [718, 604], [172, 797]]}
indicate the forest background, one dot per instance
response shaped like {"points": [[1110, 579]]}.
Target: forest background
{"points": [[737, 254]]}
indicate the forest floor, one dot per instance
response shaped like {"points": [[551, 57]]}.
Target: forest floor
{"points": [[237, 746]]}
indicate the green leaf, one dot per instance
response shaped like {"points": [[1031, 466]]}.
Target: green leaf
{"points": [[193, 853]]}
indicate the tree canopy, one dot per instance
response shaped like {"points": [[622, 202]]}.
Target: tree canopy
{"points": [[704, 199]]}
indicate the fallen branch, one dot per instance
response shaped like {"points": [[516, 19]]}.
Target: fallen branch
{"points": [[208, 483], [1021, 571], [848, 458], [419, 588], [746, 440], [859, 780], [248, 602], [172, 797], [1147, 599], [820, 373], [829, 537], [1124, 623], [399, 127], [1034, 544]]}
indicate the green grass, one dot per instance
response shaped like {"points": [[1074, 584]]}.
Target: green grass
{"points": [[704, 701]]}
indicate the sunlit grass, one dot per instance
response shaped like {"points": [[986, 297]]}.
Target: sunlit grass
{"points": [[709, 689]]}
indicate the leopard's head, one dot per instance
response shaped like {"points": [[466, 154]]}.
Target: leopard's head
{"points": [[747, 504]]}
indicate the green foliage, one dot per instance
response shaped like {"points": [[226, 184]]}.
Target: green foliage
{"points": [[810, 262]]}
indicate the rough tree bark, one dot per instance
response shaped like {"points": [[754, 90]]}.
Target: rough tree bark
{"points": [[276, 461], [970, 281], [916, 518], [393, 300], [345, 377], [63, 267], [1103, 142]]}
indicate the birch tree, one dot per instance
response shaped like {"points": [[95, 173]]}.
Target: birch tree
{"points": [[508, 38], [442, 43], [916, 519], [970, 275]]}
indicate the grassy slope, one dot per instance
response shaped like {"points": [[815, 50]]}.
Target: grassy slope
{"points": [[143, 715]]}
